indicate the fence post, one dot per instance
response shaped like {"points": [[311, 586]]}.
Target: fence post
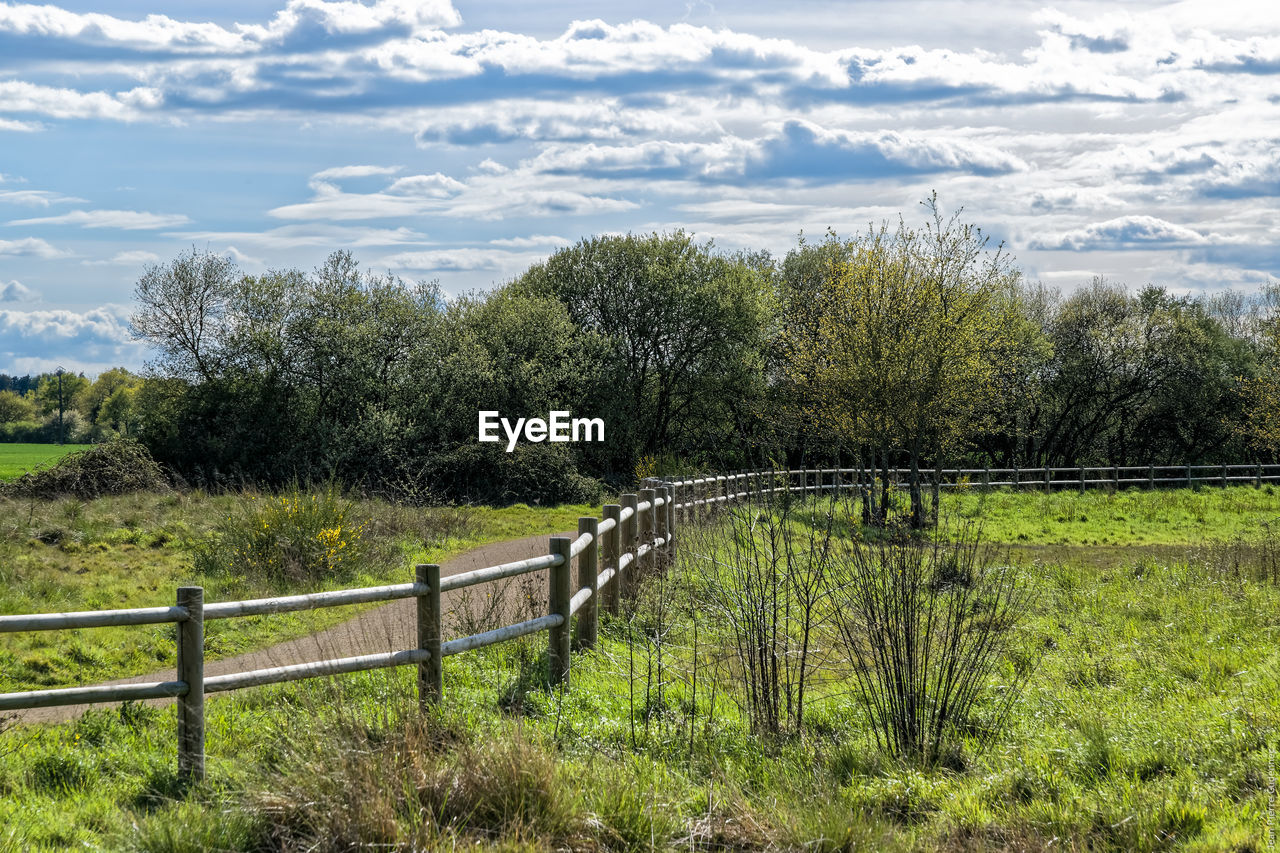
{"points": [[1257, 475], [986, 478], [1224, 475], [1189, 485], [1047, 474], [191, 670], [1115, 477], [610, 556], [1151, 477], [558, 595], [584, 631], [1082, 479], [646, 531], [660, 520], [430, 616], [628, 546], [1015, 476], [669, 524]]}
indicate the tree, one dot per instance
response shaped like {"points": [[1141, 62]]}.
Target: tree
{"points": [[14, 407], [684, 328], [181, 311], [909, 325]]}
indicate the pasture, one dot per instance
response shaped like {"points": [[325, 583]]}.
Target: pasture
{"points": [[18, 459], [1146, 717]]}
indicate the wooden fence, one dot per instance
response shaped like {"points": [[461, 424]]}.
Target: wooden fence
{"points": [[633, 535]]}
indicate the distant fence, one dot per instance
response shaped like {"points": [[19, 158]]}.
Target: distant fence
{"points": [[633, 534]]}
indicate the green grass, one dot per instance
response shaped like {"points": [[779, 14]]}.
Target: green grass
{"points": [[18, 459], [136, 550], [1150, 721]]}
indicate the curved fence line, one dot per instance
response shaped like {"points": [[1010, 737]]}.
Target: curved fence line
{"points": [[634, 535]]}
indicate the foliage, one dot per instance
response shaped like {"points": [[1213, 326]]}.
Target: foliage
{"points": [[683, 331], [765, 578], [532, 473], [111, 468], [295, 537], [901, 351], [924, 627]]}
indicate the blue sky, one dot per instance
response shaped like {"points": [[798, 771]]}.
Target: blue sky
{"points": [[463, 142]]}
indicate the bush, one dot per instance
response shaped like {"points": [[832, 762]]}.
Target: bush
{"points": [[532, 473], [294, 536], [924, 626], [113, 468]]}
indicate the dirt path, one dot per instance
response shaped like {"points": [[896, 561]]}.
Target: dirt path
{"points": [[389, 627]]}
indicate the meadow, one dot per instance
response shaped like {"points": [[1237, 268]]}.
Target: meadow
{"points": [[1146, 715], [17, 459]]}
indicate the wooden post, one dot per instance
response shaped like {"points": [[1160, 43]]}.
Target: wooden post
{"points": [[986, 478], [1082, 479], [629, 528], [1015, 476], [660, 523], [1257, 476], [430, 616], [646, 527], [669, 526], [1048, 487], [1224, 475], [191, 671], [1115, 477], [558, 596], [1151, 477], [611, 552], [1189, 484], [585, 629]]}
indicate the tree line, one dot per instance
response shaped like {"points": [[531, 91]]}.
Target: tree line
{"points": [[904, 345], [67, 407]]}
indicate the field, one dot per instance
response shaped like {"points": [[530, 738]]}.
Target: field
{"points": [[18, 459], [1148, 718]]}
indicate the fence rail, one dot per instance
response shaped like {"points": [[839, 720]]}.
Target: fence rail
{"points": [[633, 535], [638, 531]]}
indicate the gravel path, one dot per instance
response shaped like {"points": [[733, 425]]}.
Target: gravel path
{"points": [[388, 627]]}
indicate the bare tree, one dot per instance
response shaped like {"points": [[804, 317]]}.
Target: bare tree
{"points": [[182, 309]]}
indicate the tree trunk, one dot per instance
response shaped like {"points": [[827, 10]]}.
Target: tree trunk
{"points": [[917, 496]]}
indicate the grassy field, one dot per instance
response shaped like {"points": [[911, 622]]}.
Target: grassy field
{"points": [[1149, 719], [18, 459]]}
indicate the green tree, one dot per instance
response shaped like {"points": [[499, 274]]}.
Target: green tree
{"points": [[685, 332], [14, 407], [910, 323]]}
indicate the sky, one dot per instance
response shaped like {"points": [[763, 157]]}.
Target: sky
{"points": [[462, 142]]}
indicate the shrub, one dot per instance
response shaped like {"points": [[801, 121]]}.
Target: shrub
{"points": [[532, 473], [113, 468], [924, 626], [294, 536]]}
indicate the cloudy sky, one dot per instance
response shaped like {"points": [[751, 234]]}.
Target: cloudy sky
{"points": [[463, 142]]}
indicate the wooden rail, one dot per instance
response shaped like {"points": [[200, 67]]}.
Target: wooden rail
{"points": [[570, 610], [640, 532]]}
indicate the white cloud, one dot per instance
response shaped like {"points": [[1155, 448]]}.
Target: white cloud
{"points": [[20, 126], [30, 246], [37, 198], [448, 259], [427, 186], [1125, 232], [91, 340], [129, 220], [16, 291], [131, 258], [337, 172], [532, 241]]}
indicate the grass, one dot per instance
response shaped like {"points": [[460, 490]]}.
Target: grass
{"points": [[135, 550], [1150, 721], [18, 459]]}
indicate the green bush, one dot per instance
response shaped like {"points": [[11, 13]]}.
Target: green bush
{"points": [[115, 467], [532, 474], [294, 536]]}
